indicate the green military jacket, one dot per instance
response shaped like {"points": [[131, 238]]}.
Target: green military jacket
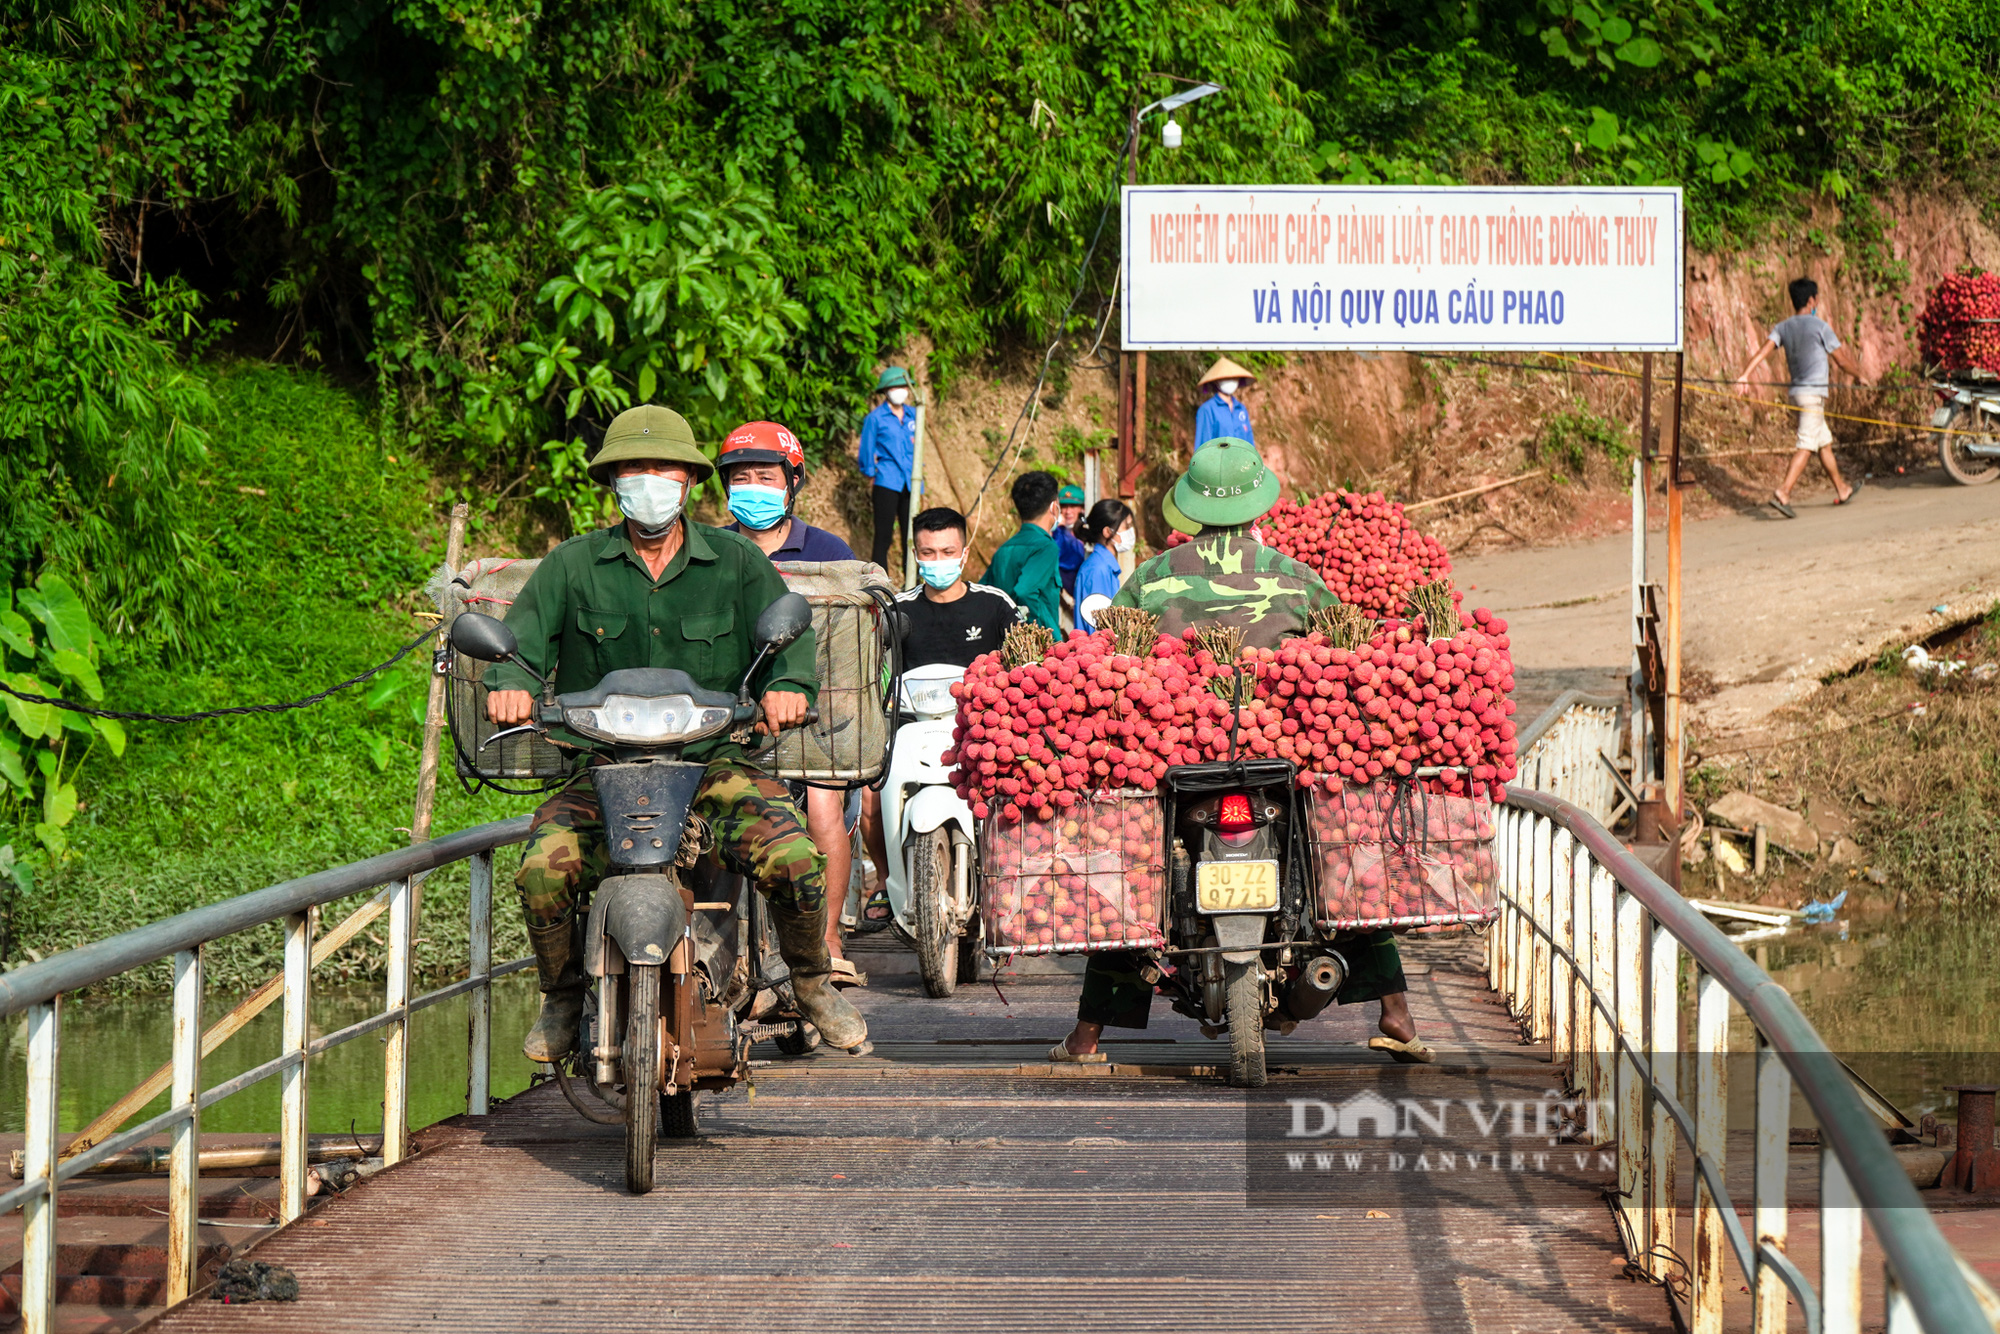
{"points": [[1225, 577], [1028, 568], [591, 608]]}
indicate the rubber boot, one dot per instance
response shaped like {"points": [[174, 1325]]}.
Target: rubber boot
{"points": [[802, 942], [556, 1027]]}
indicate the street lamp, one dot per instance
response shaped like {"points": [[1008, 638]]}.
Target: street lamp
{"points": [[1131, 380]]}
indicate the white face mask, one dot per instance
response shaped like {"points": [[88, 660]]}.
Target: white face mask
{"points": [[651, 501], [1227, 386], [1123, 542], [899, 395]]}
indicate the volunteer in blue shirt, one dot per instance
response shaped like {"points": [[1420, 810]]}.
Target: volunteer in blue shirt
{"points": [[1222, 415], [762, 469], [888, 457], [1069, 546], [1110, 533]]}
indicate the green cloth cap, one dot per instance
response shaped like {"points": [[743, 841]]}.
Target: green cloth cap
{"points": [[892, 378], [1226, 485], [1070, 495], [649, 432]]}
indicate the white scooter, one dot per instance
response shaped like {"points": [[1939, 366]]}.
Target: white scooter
{"points": [[933, 884]]}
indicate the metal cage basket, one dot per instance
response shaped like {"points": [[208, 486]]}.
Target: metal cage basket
{"points": [[488, 585], [851, 629], [1392, 855], [1091, 878]]}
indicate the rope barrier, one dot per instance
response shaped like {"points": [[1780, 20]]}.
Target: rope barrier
{"points": [[1770, 403], [233, 710]]}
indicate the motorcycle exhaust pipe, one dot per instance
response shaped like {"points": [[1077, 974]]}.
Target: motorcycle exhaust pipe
{"points": [[1315, 986]]}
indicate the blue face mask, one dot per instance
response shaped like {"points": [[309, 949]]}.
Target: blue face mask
{"points": [[757, 507], [940, 574]]}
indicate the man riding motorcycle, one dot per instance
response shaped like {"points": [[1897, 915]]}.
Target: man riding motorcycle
{"points": [[1226, 577], [659, 591]]}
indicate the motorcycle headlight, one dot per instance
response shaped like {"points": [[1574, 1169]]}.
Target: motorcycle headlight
{"points": [[639, 719], [929, 697]]}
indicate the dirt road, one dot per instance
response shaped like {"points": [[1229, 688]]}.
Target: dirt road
{"points": [[1772, 604]]}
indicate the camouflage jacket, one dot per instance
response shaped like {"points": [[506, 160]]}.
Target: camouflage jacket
{"points": [[1226, 577]]}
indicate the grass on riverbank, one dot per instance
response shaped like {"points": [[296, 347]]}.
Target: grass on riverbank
{"points": [[326, 534], [1908, 764]]}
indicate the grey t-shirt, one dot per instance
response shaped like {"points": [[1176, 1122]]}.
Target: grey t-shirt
{"points": [[1806, 339]]}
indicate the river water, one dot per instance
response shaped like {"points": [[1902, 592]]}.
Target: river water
{"points": [[109, 1045], [1913, 1005]]}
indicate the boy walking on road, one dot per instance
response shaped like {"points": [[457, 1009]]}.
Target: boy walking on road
{"points": [[1808, 342]]}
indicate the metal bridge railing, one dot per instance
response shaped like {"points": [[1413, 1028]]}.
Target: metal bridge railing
{"points": [[1587, 952], [36, 992]]}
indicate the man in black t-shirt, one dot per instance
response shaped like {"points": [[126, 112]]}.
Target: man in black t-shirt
{"points": [[951, 620]]}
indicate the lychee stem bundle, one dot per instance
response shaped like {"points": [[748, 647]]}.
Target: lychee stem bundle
{"points": [[1434, 602], [1133, 632], [1344, 626], [1025, 645]]}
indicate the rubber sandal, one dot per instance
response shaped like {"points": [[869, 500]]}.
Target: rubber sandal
{"points": [[1060, 1054], [869, 923], [1413, 1052], [1853, 491], [845, 974], [1782, 507]]}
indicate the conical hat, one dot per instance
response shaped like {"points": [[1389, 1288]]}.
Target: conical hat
{"points": [[1224, 369]]}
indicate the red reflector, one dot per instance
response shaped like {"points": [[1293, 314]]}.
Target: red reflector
{"points": [[1233, 815]]}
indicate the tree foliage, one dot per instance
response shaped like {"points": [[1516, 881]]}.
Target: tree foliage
{"points": [[522, 216]]}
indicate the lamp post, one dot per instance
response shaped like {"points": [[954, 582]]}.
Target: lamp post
{"points": [[1131, 378]]}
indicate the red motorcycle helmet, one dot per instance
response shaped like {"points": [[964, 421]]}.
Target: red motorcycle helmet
{"points": [[764, 442]]}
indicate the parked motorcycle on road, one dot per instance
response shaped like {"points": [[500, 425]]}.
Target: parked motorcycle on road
{"points": [[1968, 403], [681, 979], [930, 836]]}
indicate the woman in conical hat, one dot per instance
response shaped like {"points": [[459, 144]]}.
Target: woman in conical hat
{"points": [[1222, 414]]}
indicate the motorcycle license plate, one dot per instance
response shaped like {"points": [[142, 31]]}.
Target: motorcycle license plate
{"points": [[1236, 886]]}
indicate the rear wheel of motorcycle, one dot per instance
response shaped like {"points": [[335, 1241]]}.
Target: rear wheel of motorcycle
{"points": [[1968, 469], [677, 1115], [1245, 986], [642, 1074], [930, 891]]}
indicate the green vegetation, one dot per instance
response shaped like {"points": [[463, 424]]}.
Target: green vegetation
{"points": [[514, 219], [1572, 435], [321, 534]]}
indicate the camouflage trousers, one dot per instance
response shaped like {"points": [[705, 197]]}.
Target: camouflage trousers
{"points": [[758, 833]]}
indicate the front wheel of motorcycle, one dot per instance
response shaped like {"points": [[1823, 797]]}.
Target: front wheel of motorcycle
{"points": [[930, 899], [1244, 983], [642, 1074]]}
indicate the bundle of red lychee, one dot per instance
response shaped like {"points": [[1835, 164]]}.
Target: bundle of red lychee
{"points": [[1092, 876], [1392, 854], [1362, 546], [1044, 730], [1349, 702], [1960, 327]]}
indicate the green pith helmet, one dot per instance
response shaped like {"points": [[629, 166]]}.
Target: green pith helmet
{"points": [[1070, 495], [893, 378], [649, 432], [1226, 485]]}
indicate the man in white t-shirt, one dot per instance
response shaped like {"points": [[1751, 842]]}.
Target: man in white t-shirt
{"points": [[1808, 342]]}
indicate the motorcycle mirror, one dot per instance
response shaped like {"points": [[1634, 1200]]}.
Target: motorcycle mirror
{"points": [[479, 636], [783, 622]]}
